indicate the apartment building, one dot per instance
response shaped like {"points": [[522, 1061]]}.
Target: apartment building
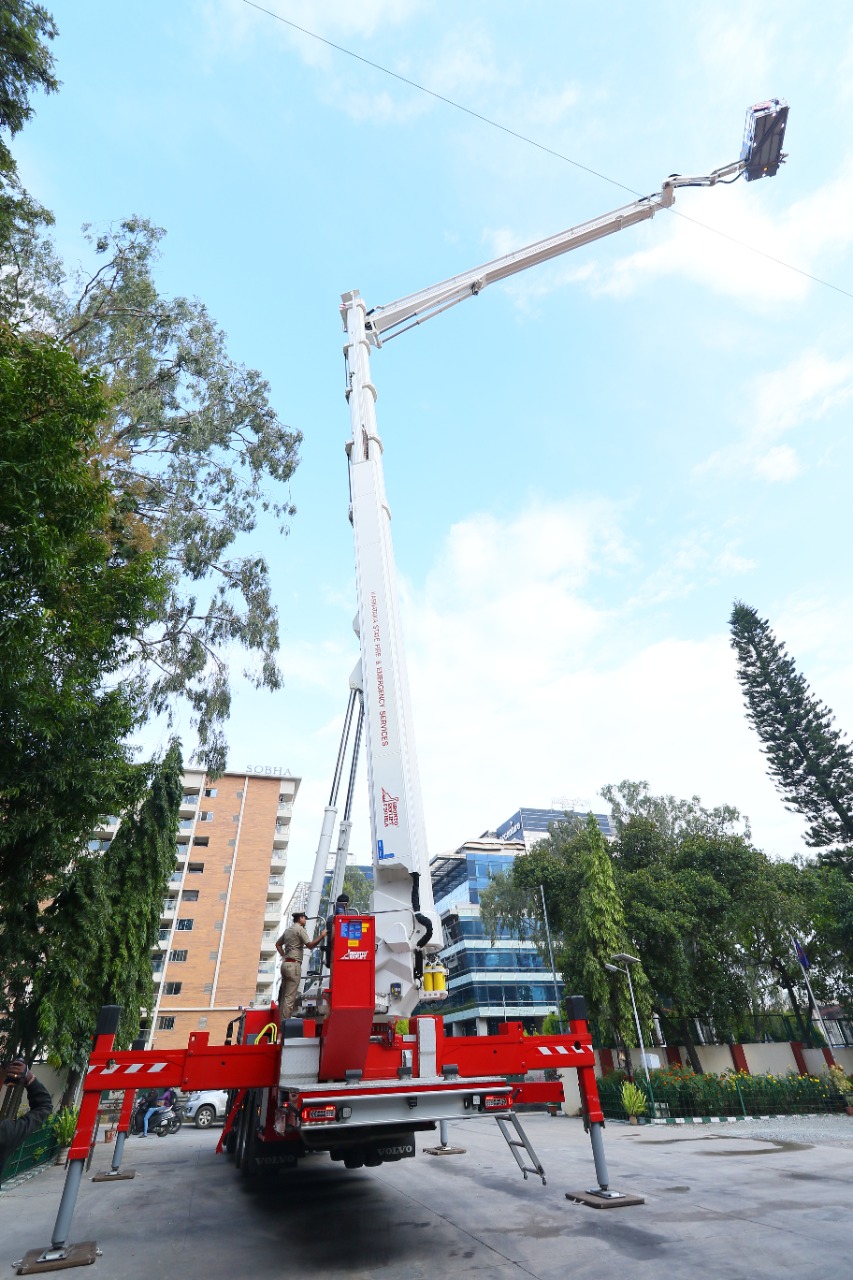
{"points": [[225, 903]]}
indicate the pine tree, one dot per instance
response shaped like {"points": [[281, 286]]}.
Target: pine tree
{"points": [[810, 760]]}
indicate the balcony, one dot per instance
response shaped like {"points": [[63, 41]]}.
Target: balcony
{"points": [[186, 824], [268, 939], [276, 886], [281, 836], [189, 800], [285, 809], [169, 906], [278, 860], [272, 913], [266, 968]]}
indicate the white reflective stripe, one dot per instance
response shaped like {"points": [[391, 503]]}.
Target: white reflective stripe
{"points": [[130, 1070], [562, 1049], [542, 1049]]}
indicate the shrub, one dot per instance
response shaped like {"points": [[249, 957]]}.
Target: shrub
{"points": [[633, 1099], [64, 1123]]}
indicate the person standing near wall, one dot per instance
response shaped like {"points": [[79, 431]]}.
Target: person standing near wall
{"points": [[14, 1131]]}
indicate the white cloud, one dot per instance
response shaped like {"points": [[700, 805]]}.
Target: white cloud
{"points": [[524, 688], [778, 464], [782, 401], [737, 251]]}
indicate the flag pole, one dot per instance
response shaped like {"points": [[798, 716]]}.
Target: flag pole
{"points": [[803, 963]]}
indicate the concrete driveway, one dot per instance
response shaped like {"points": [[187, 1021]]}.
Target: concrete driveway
{"points": [[721, 1202]]}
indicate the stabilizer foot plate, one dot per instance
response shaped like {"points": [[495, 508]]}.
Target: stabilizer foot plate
{"points": [[604, 1199], [52, 1259]]}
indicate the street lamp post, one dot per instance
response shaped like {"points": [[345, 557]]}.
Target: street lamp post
{"points": [[627, 961]]}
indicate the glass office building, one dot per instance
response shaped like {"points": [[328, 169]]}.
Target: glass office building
{"points": [[488, 983], [531, 825]]}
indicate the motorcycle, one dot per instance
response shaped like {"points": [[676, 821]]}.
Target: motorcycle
{"points": [[166, 1120]]}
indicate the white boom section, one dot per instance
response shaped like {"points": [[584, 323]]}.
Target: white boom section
{"points": [[421, 306], [400, 856]]}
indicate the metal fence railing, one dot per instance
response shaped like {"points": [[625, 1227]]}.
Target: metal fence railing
{"points": [[678, 1093], [39, 1148]]}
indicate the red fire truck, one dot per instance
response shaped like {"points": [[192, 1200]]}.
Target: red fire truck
{"points": [[368, 1064]]}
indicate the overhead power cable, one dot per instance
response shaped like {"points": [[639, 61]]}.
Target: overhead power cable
{"points": [[521, 137]]}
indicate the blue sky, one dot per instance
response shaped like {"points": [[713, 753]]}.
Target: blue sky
{"points": [[586, 465]]}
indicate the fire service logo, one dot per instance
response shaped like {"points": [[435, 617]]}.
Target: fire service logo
{"points": [[389, 809]]}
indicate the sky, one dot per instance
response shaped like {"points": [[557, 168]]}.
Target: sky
{"points": [[586, 465]]}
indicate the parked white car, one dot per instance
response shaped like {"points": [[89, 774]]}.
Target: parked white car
{"points": [[205, 1107]]}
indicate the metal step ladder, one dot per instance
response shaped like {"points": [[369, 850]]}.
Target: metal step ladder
{"points": [[520, 1143]]}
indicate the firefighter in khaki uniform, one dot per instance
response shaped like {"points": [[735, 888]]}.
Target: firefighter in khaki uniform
{"points": [[291, 947]]}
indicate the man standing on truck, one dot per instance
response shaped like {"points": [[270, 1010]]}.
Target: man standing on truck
{"points": [[291, 947]]}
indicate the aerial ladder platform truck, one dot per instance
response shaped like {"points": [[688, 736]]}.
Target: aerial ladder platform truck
{"points": [[368, 1066]]}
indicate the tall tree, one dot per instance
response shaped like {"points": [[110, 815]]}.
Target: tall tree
{"points": [[99, 931], [810, 760], [586, 917], [600, 933], [76, 584], [192, 444], [26, 64]]}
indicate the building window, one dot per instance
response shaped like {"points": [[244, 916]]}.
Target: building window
{"points": [[184, 923], [202, 841], [206, 815], [214, 955], [165, 1023], [189, 895], [172, 988], [177, 956], [195, 868], [208, 988], [202, 1023], [210, 792]]}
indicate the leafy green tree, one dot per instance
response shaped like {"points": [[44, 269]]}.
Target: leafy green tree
{"points": [[600, 933], [26, 64], [810, 760], [585, 913], [99, 931], [782, 911], [76, 584], [359, 888], [191, 443]]}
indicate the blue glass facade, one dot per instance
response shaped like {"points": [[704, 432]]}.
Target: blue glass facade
{"points": [[488, 983], [531, 825]]}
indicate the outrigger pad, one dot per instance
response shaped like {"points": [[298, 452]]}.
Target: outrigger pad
{"points": [[53, 1259], [118, 1176], [604, 1199]]}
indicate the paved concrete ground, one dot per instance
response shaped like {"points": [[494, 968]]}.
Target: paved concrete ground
{"points": [[720, 1205]]}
